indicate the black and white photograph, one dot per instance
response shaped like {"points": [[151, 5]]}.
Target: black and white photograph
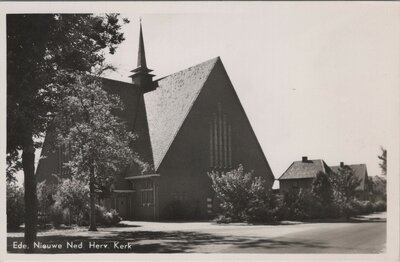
{"points": [[226, 128]]}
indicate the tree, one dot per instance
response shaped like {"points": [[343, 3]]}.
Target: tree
{"points": [[383, 158], [39, 47], [321, 196], [322, 189], [13, 165], [377, 188], [100, 145], [344, 184]]}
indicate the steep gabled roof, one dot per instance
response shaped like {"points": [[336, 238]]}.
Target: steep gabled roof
{"points": [[359, 171], [129, 95], [307, 169], [168, 105]]}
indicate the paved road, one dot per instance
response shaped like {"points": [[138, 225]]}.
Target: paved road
{"points": [[364, 235], [322, 238]]}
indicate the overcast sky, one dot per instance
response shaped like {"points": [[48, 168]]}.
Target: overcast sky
{"points": [[315, 79], [319, 79]]}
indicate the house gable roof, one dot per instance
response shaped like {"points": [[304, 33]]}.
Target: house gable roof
{"points": [[359, 171], [307, 169], [168, 106]]}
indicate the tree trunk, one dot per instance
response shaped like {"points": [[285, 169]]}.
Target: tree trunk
{"points": [[92, 226], [30, 195]]}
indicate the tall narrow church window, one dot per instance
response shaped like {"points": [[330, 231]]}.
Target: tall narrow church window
{"points": [[225, 143], [229, 147], [215, 141], [221, 158], [211, 144], [220, 140]]}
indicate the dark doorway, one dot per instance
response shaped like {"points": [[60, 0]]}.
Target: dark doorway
{"points": [[122, 206]]}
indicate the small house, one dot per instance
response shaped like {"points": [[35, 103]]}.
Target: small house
{"points": [[301, 174]]}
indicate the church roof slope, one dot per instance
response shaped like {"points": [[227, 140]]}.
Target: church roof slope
{"points": [[304, 169], [168, 105]]}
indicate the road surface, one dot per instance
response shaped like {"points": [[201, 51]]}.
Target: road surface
{"points": [[364, 235]]}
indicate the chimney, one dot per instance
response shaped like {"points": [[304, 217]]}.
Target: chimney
{"points": [[341, 164], [304, 159]]}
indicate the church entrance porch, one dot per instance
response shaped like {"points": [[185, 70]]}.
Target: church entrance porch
{"points": [[139, 202], [122, 202]]}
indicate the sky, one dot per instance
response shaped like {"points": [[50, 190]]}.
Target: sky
{"points": [[318, 80]]}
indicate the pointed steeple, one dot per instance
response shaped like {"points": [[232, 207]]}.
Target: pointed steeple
{"points": [[141, 76], [141, 62]]}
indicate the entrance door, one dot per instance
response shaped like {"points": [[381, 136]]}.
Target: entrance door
{"points": [[123, 206]]}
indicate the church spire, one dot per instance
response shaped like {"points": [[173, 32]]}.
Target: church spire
{"points": [[141, 62], [141, 76]]}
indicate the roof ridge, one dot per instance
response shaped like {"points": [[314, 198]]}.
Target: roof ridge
{"points": [[308, 160], [301, 170], [204, 62], [110, 79], [363, 164]]}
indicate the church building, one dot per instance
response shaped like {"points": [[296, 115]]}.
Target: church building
{"points": [[188, 123]]}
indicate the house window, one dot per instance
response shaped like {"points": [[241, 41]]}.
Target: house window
{"points": [[220, 146], [147, 194], [295, 184]]}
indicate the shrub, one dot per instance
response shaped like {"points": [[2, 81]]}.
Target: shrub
{"points": [[15, 205], [45, 195], [379, 206], [367, 207], [221, 219], [262, 208], [57, 216], [303, 204], [242, 196], [361, 207], [64, 203], [73, 195], [349, 209], [111, 218], [107, 217], [300, 205]]}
